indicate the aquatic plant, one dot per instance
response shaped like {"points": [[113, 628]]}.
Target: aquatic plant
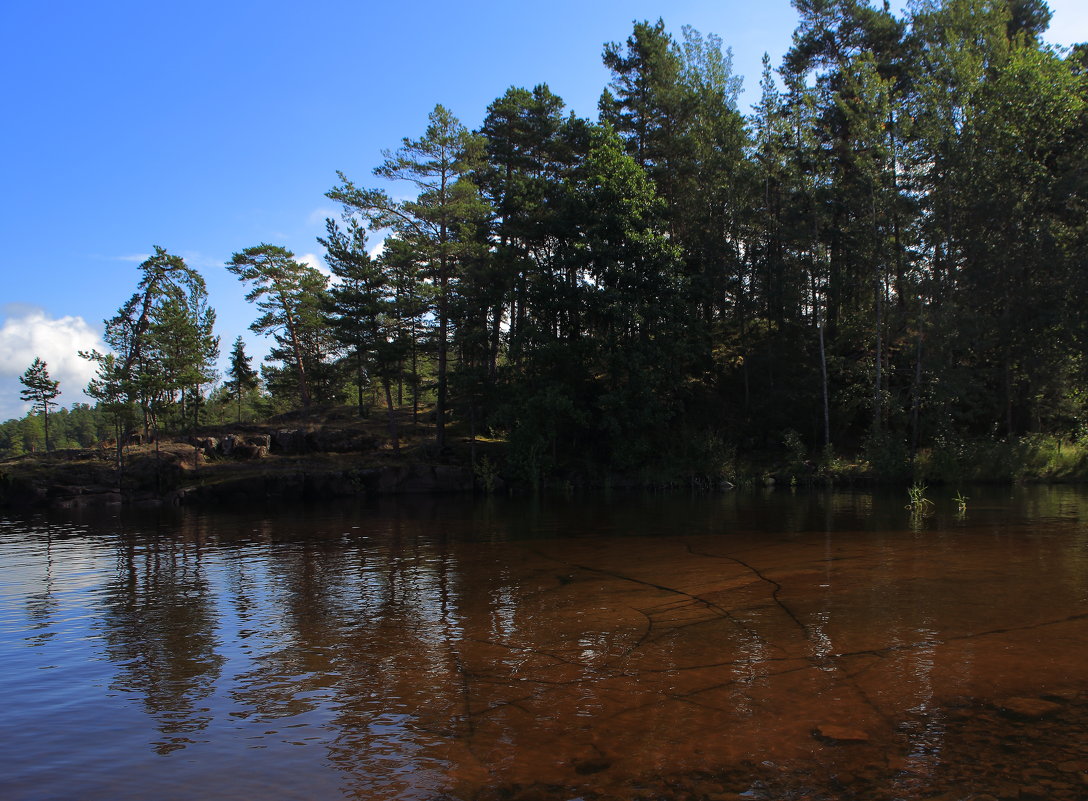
{"points": [[918, 500], [961, 502]]}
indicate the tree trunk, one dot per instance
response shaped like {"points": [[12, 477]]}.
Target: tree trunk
{"points": [[443, 346], [916, 399], [119, 432], [472, 434], [1008, 398], [296, 349], [823, 376], [415, 386], [359, 382], [493, 346], [878, 374], [391, 417]]}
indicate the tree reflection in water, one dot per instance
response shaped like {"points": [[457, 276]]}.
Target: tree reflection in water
{"points": [[445, 648], [159, 623]]}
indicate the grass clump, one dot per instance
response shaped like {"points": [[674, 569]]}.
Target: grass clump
{"points": [[918, 501]]}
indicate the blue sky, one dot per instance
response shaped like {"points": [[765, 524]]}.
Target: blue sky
{"points": [[209, 127]]}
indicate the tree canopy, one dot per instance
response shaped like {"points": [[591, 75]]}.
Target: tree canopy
{"points": [[885, 256], [41, 391]]}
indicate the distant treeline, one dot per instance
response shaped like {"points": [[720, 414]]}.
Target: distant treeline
{"points": [[886, 258], [79, 427]]}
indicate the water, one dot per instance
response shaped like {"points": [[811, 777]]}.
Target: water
{"points": [[773, 645]]}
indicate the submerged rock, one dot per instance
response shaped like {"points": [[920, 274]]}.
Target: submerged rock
{"points": [[1030, 708], [840, 734], [587, 767]]}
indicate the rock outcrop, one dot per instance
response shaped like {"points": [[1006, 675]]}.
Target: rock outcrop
{"points": [[314, 482]]}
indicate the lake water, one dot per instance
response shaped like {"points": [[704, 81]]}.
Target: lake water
{"points": [[744, 646]]}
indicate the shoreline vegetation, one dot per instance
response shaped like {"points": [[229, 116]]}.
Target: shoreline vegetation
{"points": [[875, 276], [331, 452]]}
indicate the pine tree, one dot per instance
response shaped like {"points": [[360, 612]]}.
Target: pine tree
{"points": [[290, 295], [40, 391], [530, 152], [243, 378], [162, 342], [365, 314], [440, 224]]}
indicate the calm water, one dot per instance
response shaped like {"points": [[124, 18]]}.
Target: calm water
{"points": [[759, 646]]}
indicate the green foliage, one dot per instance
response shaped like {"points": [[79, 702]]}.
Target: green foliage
{"points": [[957, 460], [81, 426], [884, 261], [290, 296], [242, 380], [32, 434], [40, 392], [887, 457], [441, 226], [1052, 458], [487, 474], [795, 449], [918, 503], [163, 347]]}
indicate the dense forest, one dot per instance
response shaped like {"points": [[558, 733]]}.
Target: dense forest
{"points": [[884, 260]]}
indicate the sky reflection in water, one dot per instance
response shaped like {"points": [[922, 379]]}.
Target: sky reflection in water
{"points": [[591, 646]]}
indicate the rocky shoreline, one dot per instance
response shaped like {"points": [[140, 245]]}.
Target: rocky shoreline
{"points": [[237, 467]]}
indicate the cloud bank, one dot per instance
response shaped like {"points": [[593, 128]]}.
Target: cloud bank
{"points": [[28, 332]]}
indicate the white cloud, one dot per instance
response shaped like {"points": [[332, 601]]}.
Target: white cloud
{"points": [[191, 257], [198, 261], [378, 249], [28, 332], [316, 262], [318, 216], [133, 258]]}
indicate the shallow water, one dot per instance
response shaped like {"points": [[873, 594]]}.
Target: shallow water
{"points": [[772, 645]]}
